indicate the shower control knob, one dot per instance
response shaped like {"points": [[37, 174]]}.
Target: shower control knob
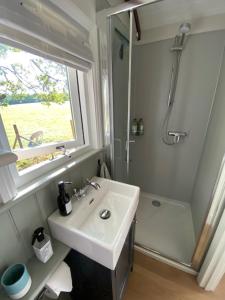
{"points": [[177, 135]]}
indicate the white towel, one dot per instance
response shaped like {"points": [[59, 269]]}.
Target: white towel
{"points": [[104, 172], [60, 281]]}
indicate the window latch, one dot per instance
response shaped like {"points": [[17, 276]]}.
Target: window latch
{"points": [[64, 151]]}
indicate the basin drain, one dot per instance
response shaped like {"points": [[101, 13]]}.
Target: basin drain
{"points": [[105, 214], [156, 203]]}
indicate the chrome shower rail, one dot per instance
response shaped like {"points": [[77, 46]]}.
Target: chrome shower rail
{"points": [[129, 95], [173, 137]]}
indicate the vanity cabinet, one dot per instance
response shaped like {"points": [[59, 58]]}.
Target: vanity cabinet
{"points": [[92, 280]]}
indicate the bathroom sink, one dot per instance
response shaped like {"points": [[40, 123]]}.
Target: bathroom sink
{"points": [[99, 222]]}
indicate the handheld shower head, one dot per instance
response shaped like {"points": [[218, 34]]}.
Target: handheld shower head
{"points": [[180, 39], [185, 28]]}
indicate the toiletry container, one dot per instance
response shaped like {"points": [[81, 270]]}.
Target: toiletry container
{"points": [[41, 244], [16, 281], [140, 127], [64, 201], [134, 127]]}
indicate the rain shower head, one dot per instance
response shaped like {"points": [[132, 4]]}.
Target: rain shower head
{"points": [[185, 28]]}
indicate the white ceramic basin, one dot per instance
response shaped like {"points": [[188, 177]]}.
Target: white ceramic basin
{"points": [[84, 230]]}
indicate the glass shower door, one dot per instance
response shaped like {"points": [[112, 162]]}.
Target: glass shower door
{"points": [[121, 51]]}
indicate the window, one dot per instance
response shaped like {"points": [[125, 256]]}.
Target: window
{"points": [[41, 111]]}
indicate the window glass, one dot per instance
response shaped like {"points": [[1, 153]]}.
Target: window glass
{"points": [[35, 106]]}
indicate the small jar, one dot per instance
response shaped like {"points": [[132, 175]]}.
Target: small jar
{"points": [[134, 127], [140, 127]]}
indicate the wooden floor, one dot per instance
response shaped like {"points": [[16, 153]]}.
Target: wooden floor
{"points": [[153, 280]]}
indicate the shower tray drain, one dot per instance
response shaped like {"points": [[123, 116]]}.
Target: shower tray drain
{"points": [[105, 214], [156, 203]]}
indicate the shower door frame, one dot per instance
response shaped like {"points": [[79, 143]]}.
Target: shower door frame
{"points": [[199, 253], [128, 141], [124, 7], [111, 108]]}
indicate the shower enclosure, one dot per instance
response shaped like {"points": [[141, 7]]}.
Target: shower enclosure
{"points": [[173, 82]]}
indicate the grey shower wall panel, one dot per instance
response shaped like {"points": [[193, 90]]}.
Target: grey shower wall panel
{"points": [[170, 171]]}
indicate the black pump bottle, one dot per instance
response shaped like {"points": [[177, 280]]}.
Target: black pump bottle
{"points": [[64, 202]]}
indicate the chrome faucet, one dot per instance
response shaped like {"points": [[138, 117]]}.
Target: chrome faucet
{"points": [[94, 184], [80, 193]]}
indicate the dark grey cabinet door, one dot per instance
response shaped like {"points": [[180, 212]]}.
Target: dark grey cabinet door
{"points": [[124, 265]]}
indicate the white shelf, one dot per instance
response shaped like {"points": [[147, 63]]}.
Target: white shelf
{"points": [[40, 272]]}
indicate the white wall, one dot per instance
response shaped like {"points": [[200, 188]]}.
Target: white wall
{"points": [[170, 170], [16, 230], [88, 7], [212, 157]]}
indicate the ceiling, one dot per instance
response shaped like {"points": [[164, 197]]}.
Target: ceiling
{"points": [[101, 4], [173, 11]]}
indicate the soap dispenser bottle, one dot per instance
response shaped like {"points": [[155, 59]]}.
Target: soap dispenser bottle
{"points": [[64, 201], [41, 244]]}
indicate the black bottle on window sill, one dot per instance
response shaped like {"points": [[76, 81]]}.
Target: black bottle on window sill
{"points": [[64, 202]]}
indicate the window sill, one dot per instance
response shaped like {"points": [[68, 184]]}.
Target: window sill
{"points": [[46, 178], [37, 171]]}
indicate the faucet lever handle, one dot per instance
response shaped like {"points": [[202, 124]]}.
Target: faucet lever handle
{"points": [[64, 150], [98, 185], [93, 184]]}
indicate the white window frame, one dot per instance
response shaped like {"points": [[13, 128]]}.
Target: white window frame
{"points": [[80, 98], [49, 148]]}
